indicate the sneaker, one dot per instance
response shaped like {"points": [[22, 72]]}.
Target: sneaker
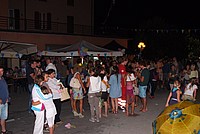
{"points": [[91, 120], [97, 120], [6, 132], [75, 113], [123, 110], [81, 116], [46, 130]]}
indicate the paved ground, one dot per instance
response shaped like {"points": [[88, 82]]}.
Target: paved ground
{"points": [[21, 122]]}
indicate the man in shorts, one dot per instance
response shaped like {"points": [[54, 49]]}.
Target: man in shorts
{"points": [[4, 97], [143, 82]]}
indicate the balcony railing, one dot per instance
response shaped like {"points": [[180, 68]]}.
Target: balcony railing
{"points": [[28, 25]]}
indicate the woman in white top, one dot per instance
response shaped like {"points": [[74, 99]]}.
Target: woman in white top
{"points": [[94, 84], [105, 91], [194, 72], [78, 90], [190, 90]]}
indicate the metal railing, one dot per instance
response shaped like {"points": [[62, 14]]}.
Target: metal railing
{"points": [[29, 25]]}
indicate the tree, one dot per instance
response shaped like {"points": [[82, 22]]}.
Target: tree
{"points": [[193, 48]]}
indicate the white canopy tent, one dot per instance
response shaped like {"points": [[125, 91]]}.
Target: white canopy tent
{"points": [[16, 49], [82, 48]]}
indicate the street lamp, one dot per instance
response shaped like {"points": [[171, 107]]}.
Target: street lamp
{"points": [[141, 46]]}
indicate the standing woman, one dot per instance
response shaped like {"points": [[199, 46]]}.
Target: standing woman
{"points": [[77, 92], [115, 88], [105, 90], [94, 84]]}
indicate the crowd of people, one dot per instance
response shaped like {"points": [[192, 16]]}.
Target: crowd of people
{"points": [[108, 84]]}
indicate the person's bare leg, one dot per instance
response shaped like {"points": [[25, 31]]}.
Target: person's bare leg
{"points": [[127, 105], [106, 108], [81, 106], [136, 101], [142, 102], [116, 105], [113, 105], [74, 105], [71, 99], [144, 105], [108, 101], [3, 125], [133, 106], [51, 130]]}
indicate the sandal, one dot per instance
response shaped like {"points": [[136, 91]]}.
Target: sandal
{"points": [[6, 132]]}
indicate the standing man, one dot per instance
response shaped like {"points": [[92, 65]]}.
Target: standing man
{"points": [[30, 75], [143, 82], [122, 71], [56, 91], [4, 97]]}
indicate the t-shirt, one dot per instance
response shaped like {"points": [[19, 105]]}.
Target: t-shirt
{"points": [[103, 85], [4, 94], [122, 69], [29, 71], [145, 73]]}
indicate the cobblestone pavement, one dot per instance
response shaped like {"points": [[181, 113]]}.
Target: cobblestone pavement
{"points": [[22, 122]]}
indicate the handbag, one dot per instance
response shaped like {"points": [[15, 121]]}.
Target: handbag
{"points": [[64, 94], [75, 83], [135, 90]]}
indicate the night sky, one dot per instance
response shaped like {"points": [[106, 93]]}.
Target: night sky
{"points": [[131, 13]]}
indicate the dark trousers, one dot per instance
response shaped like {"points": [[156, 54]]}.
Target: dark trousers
{"points": [[153, 87], [57, 103]]}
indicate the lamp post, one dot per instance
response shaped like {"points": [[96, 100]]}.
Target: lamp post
{"points": [[141, 46]]}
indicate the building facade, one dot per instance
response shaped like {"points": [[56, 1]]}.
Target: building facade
{"points": [[49, 23]]}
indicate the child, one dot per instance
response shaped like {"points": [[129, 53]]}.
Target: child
{"points": [[50, 108], [130, 97], [190, 91], [104, 88], [174, 95]]}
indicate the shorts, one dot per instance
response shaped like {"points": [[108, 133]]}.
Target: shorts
{"points": [[104, 96], [142, 91], [4, 111]]}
